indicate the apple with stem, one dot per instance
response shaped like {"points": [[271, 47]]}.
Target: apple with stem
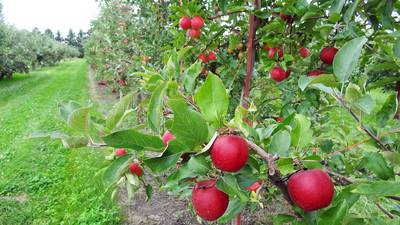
{"points": [[229, 153]]}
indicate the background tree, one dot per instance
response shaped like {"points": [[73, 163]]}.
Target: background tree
{"points": [[80, 39], [49, 33], [58, 36], [70, 39]]}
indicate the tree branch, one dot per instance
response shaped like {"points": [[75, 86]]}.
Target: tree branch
{"points": [[358, 120], [385, 211]]}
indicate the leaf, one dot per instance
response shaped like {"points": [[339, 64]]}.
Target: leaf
{"points": [[379, 188], [155, 107], [265, 132], [74, 141], [280, 143], [188, 126], [234, 208], [335, 215], [327, 80], [170, 68], [348, 15], [396, 47], [347, 57], [79, 119], [162, 163], [376, 163], [388, 110], [336, 7], [353, 93], [114, 172], [213, 100], [199, 164], [282, 219], [116, 115], [67, 108], [133, 139], [190, 76], [366, 104], [149, 192], [301, 134], [230, 186], [312, 162]]}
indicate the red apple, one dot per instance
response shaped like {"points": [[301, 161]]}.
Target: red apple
{"points": [[211, 56], [311, 189], [136, 169], [113, 90], [278, 74], [316, 72], [254, 187], [328, 54], [209, 202], [304, 52], [197, 22], [168, 136], [120, 152], [279, 119], [229, 153], [287, 73], [185, 23], [194, 33], [271, 53], [286, 18], [280, 52], [203, 58]]}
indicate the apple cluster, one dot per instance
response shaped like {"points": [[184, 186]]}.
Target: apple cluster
{"points": [[192, 26], [133, 167]]}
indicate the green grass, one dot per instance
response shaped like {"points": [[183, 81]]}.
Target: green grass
{"points": [[60, 184]]}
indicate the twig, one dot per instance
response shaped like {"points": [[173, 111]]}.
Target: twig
{"points": [[358, 120], [385, 211]]}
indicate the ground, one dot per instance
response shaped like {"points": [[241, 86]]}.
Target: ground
{"points": [[43, 183]]}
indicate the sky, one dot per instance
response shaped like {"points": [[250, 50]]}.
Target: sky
{"points": [[54, 14]]}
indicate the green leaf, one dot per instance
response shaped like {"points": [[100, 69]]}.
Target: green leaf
{"points": [[170, 69], [335, 215], [163, 163], [67, 108], [388, 110], [114, 172], [301, 134], [199, 164], [346, 59], [379, 188], [283, 219], [327, 80], [182, 173], [188, 126], [265, 132], [190, 75], [396, 48], [234, 208], [285, 165], [348, 15], [133, 139], [376, 163], [353, 93], [115, 117], [366, 104], [155, 107], [280, 143], [149, 192], [312, 162], [230, 186], [213, 100], [79, 119], [74, 141], [336, 6]]}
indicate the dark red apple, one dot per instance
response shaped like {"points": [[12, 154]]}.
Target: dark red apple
{"points": [[271, 53], [168, 136], [136, 169], [278, 74], [328, 54], [311, 189], [280, 52], [304, 52], [203, 58], [211, 56], [316, 72], [279, 119], [120, 152], [229, 153], [197, 22], [185, 23], [209, 202], [286, 17], [194, 33]]}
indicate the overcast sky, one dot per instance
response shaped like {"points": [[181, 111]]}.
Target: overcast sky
{"points": [[54, 14]]}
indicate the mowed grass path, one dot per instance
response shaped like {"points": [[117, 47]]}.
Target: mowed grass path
{"points": [[40, 181]]}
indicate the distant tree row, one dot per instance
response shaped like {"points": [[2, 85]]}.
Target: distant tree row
{"points": [[72, 39]]}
